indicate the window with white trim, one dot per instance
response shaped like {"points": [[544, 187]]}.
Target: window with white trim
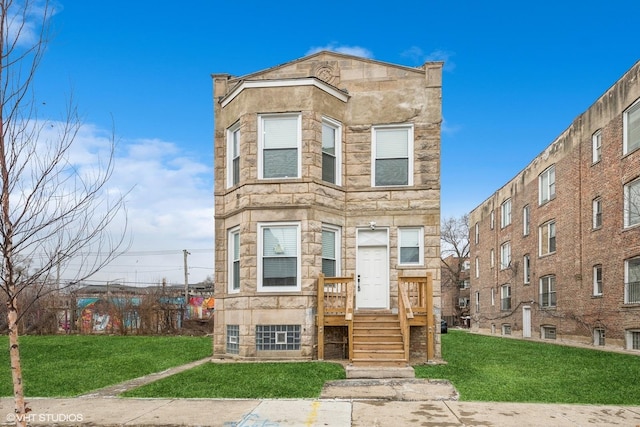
{"points": [[505, 213], [330, 251], [392, 155], [506, 329], [548, 291], [493, 297], [492, 257], [597, 212], [411, 246], [477, 302], [526, 269], [477, 233], [632, 203], [632, 281], [505, 255], [597, 280], [279, 257], [631, 124], [598, 336], [233, 155], [234, 260], [596, 154], [505, 298], [526, 216], [331, 151], [547, 233], [492, 220], [477, 267], [547, 185], [633, 339], [280, 140], [233, 339]]}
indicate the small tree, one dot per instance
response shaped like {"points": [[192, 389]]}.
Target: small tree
{"points": [[53, 208], [454, 235]]}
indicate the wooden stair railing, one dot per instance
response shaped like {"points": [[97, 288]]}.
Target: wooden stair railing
{"points": [[415, 296], [336, 298]]}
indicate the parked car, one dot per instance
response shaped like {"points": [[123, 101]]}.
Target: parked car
{"points": [[443, 326]]}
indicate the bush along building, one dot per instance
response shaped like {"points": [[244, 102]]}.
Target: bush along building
{"points": [[555, 252], [327, 202]]}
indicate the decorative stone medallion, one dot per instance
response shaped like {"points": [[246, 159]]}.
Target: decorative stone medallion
{"points": [[328, 72]]}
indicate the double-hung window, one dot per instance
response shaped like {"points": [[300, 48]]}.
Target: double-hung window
{"points": [[597, 280], [233, 155], [547, 185], [505, 255], [632, 281], [526, 216], [392, 155], [505, 213], [526, 269], [279, 257], [631, 124], [547, 238], [597, 212], [505, 298], [596, 154], [280, 137], [234, 260], [411, 246], [632, 203], [331, 143], [330, 251], [548, 291]]}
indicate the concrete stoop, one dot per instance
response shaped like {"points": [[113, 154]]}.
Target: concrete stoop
{"points": [[379, 372]]}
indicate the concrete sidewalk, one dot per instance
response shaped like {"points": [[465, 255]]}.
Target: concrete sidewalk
{"points": [[365, 403]]}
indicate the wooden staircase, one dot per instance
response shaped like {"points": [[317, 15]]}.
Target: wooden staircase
{"points": [[377, 340]]}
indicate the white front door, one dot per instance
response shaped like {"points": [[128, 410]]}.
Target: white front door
{"points": [[526, 322], [372, 281]]}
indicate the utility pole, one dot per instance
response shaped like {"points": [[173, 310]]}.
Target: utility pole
{"points": [[186, 285]]}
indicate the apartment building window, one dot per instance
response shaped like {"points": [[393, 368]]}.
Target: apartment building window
{"points": [[465, 284], [280, 139], [331, 144], [632, 203], [631, 123], [330, 247], [233, 339], [493, 297], [547, 185], [476, 229], [548, 332], [492, 221], [392, 154], [597, 212], [633, 339], [477, 267], [598, 336], [234, 260], [277, 337], [463, 302], [505, 213], [279, 257], [233, 155], [505, 255], [597, 146], [526, 269], [411, 244], [506, 329], [597, 280], [548, 291], [492, 258], [526, 216], [632, 281], [505, 298], [477, 302], [547, 234]]}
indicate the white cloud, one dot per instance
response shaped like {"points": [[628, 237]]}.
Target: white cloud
{"points": [[347, 50], [419, 57]]}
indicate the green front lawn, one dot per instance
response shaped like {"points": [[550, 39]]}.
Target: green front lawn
{"points": [[485, 368], [245, 381], [69, 365]]}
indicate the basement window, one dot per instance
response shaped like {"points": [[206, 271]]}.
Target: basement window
{"points": [[277, 337]]}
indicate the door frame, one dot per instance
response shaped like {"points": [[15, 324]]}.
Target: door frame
{"points": [[360, 235], [526, 321]]}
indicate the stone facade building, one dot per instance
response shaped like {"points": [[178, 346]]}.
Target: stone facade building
{"points": [[555, 252], [329, 164]]}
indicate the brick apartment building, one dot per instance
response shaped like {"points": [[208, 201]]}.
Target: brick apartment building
{"points": [[456, 294], [327, 199], [555, 252]]}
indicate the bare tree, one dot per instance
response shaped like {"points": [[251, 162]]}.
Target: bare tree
{"points": [[454, 235], [53, 208]]}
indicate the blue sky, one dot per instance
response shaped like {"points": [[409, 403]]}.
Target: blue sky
{"points": [[516, 75]]}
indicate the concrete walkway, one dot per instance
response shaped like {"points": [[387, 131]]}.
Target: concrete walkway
{"points": [[365, 403]]}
